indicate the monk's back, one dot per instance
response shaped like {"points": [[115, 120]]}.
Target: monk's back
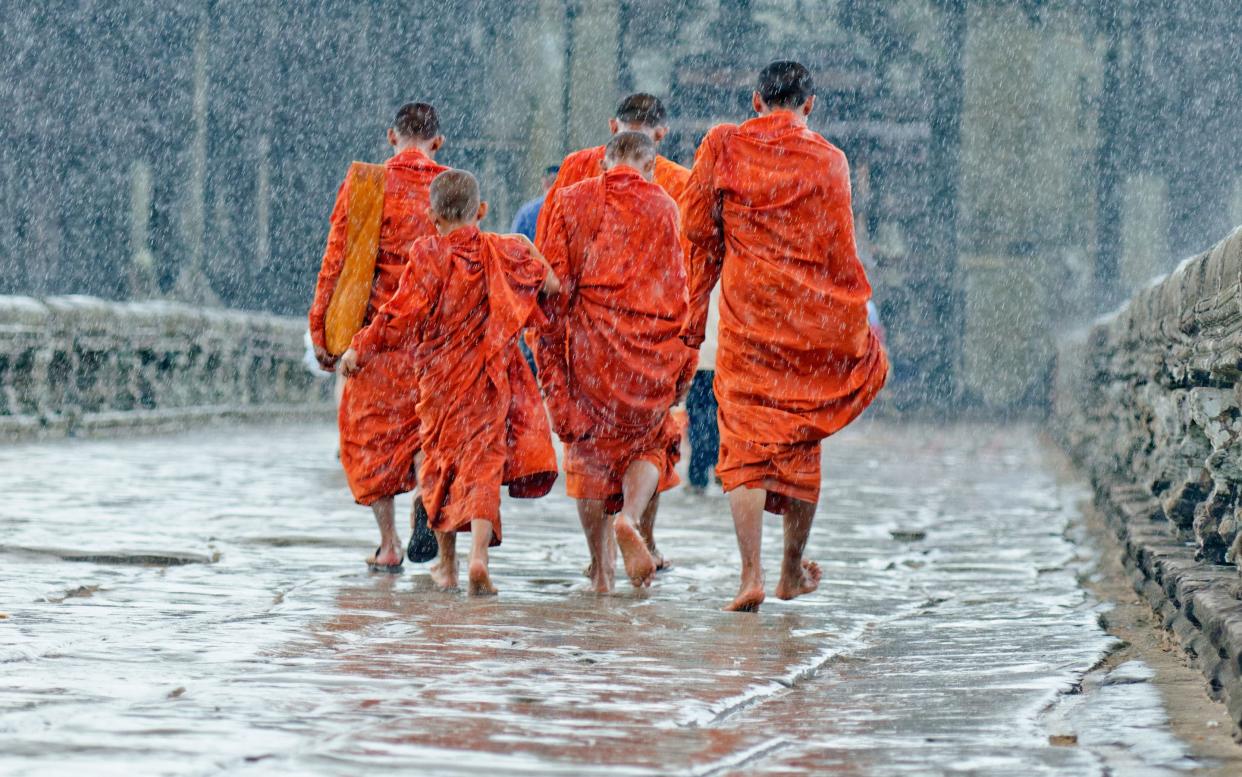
{"points": [[789, 233], [647, 283]]}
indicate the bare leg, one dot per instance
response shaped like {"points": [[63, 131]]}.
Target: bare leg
{"points": [[747, 507], [646, 527], [418, 492], [390, 552], [597, 527], [638, 486], [444, 571], [798, 577], [480, 578]]}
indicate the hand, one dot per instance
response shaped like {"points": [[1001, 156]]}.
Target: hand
{"points": [[349, 363], [326, 360]]}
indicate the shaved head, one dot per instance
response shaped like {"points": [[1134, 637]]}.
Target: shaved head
{"points": [[785, 84], [417, 121], [455, 196], [630, 148], [641, 109]]}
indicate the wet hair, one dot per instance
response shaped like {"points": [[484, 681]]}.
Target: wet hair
{"points": [[785, 84], [630, 147], [455, 196], [641, 108], [417, 121]]}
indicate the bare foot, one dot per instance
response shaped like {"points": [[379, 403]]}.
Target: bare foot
{"points": [[386, 559], [444, 574], [480, 580], [803, 581], [660, 562], [640, 567], [602, 580], [748, 599]]}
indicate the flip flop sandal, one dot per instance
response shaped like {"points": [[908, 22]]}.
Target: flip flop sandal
{"points": [[392, 569], [423, 546]]}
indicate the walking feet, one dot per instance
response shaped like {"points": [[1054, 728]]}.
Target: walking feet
{"points": [[385, 559], [799, 580], [444, 571], [640, 567], [748, 599], [480, 580]]}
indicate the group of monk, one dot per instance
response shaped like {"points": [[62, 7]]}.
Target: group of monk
{"points": [[612, 296]]}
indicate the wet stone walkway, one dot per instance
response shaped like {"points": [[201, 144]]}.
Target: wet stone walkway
{"points": [[197, 604]]}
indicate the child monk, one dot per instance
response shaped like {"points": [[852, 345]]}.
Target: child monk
{"points": [[611, 360], [463, 299], [638, 112], [768, 202], [643, 113], [376, 416]]}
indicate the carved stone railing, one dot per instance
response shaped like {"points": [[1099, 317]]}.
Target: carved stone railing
{"points": [[1149, 402], [79, 364]]}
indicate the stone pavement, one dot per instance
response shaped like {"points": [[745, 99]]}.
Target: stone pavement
{"points": [[197, 604]]}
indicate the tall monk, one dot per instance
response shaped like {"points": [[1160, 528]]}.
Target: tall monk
{"points": [[611, 359], [463, 299], [643, 113], [377, 418], [768, 201]]}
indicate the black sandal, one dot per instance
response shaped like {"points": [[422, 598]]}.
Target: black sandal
{"points": [[423, 546], [392, 569]]}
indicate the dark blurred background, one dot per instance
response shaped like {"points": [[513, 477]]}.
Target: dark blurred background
{"points": [[1018, 166]]}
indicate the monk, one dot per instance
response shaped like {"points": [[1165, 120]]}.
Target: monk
{"points": [[464, 298], [638, 112], [643, 113], [611, 360], [768, 202], [377, 417]]}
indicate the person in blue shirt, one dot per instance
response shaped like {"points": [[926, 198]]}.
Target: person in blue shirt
{"points": [[528, 214], [524, 224]]}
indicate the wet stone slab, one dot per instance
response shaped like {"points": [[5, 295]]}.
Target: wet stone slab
{"points": [[197, 604]]}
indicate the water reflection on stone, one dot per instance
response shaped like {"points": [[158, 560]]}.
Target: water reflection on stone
{"points": [[274, 652]]}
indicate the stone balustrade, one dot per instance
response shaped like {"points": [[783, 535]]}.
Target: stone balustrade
{"points": [[1149, 402], [79, 364]]}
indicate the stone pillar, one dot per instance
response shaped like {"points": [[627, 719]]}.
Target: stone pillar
{"points": [[594, 27], [142, 280], [263, 204], [543, 60], [192, 284], [1235, 204], [1025, 200], [1144, 231]]}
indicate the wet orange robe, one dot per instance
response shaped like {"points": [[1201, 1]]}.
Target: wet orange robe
{"points": [[377, 417], [611, 359], [588, 163], [768, 202], [463, 300]]}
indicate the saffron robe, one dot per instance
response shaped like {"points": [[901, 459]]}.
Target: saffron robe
{"points": [[377, 418], [588, 163], [611, 360], [463, 299], [768, 202]]}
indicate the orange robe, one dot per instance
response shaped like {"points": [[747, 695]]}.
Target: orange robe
{"points": [[611, 359], [768, 203], [463, 299], [588, 163], [377, 418]]}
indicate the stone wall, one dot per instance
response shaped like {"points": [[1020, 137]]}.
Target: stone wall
{"points": [[1149, 402], [78, 364]]}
